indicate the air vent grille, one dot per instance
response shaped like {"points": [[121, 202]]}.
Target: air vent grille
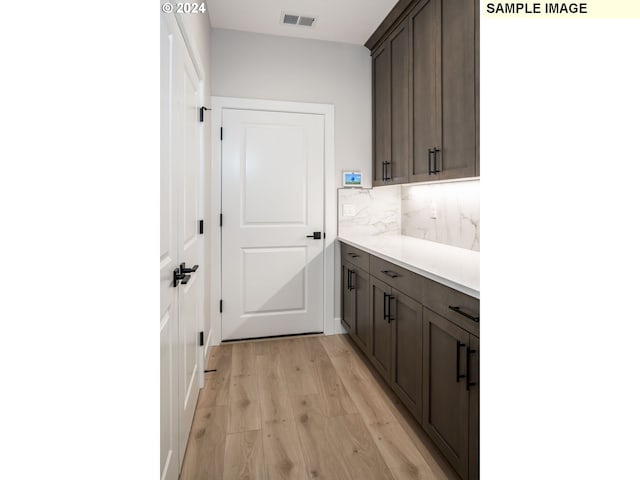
{"points": [[300, 20]]}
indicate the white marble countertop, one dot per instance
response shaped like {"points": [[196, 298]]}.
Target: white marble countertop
{"points": [[454, 267]]}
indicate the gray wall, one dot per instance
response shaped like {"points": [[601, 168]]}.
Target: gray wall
{"points": [[252, 65]]}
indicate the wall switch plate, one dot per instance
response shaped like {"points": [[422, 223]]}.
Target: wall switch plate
{"points": [[348, 210]]}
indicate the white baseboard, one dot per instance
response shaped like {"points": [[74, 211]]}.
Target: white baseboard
{"points": [[338, 329]]}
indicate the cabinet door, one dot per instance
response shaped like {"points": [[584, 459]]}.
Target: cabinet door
{"points": [[406, 372], [445, 414], [399, 48], [459, 128], [380, 327], [348, 308], [361, 332], [474, 407], [381, 71], [426, 111]]}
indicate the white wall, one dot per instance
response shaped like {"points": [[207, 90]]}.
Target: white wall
{"points": [[197, 32], [252, 65]]}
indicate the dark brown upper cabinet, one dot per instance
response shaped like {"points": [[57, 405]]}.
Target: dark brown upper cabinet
{"points": [[425, 92], [390, 69]]}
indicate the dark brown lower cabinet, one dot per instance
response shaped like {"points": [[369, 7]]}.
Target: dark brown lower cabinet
{"points": [[380, 355], [450, 390], [355, 304], [406, 355]]}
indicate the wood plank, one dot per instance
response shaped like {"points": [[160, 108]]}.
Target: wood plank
{"points": [[244, 359], [243, 457], [275, 405], [282, 453], [244, 412], [363, 389], [399, 452], [204, 457], [362, 457], [322, 456], [336, 399], [336, 345], [216, 384], [298, 370]]}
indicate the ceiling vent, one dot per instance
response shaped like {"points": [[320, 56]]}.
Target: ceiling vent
{"points": [[300, 20]]}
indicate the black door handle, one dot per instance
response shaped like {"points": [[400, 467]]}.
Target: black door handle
{"points": [[457, 310], [180, 278], [435, 160], [184, 269], [316, 236], [385, 308], [469, 383], [429, 161], [458, 346]]}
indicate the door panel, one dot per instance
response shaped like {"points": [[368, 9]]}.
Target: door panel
{"points": [[186, 141], [169, 201], [381, 328], [399, 46], [458, 90], [425, 91], [446, 401], [381, 112], [362, 319], [272, 198], [406, 376]]}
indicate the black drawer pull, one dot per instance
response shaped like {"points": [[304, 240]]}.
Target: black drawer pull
{"points": [[458, 374], [391, 273], [457, 310], [469, 384], [385, 307], [352, 255], [391, 297]]}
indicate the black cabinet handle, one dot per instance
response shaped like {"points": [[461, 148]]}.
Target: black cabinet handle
{"points": [[389, 172], [458, 374], [469, 352], [429, 161], [184, 269], [348, 279], [391, 297], [391, 273], [457, 310], [435, 160], [316, 236], [385, 308], [384, 171], [352, 255]]}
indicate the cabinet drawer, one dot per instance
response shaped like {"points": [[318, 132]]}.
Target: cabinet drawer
{"points": [[355, 256], [405, 281], [440, 298]]}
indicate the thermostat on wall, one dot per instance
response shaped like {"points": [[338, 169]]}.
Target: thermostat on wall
{"points": [[351, 179]]}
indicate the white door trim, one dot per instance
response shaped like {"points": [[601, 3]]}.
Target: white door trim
{"points": [[330, 214]]}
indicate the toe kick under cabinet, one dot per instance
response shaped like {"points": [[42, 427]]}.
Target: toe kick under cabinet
{"points": [[423, 338]]}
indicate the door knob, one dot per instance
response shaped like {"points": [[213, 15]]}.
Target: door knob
{"points": [[316, 236], [184, 269], [180, 278]]}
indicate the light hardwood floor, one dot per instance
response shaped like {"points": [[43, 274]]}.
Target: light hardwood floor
{"points": [[303, 408]]}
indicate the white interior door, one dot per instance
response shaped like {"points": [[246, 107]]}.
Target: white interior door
{"points": [[272, 199], [169, 193], [181, 302], [187, 143]]}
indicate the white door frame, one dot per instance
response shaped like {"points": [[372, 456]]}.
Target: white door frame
{"points": [[218, 104]]}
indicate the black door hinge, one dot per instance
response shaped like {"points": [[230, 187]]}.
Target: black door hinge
{"points": [[202, 109], [202, 339], [220, 133], [220, 219], [201, 227], [220, 306]]}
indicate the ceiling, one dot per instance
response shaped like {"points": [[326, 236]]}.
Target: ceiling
{"points": [[348, 21]]}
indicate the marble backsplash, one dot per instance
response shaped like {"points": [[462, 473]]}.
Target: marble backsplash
{"points": [[410, 210], [375, 211], [455, 206]]}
